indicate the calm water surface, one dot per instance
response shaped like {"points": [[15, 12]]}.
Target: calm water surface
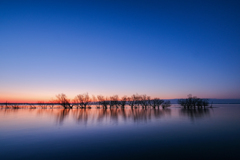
{"points": [[172, 133]]}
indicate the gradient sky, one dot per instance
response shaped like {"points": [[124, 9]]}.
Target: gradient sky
{"points": [[165, 49]]}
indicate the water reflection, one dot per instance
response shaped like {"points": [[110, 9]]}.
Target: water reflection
{"points": [[139, 134], [114, 115], [94, 115], [195, 113]]}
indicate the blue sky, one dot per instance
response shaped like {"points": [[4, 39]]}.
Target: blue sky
{"points": [[165, 49]]}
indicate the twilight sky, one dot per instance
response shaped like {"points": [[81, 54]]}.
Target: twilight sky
{"points": [[165, 49]]}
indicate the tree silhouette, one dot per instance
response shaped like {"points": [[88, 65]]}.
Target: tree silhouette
{"points": [[144, 100], [103, 101], [83, 100], [205, 103], [193, 102], [166, 104], [134, 100], [137, 98], [131, 101], [63, 101], [123, 101], [114, 101], [156, 102]]}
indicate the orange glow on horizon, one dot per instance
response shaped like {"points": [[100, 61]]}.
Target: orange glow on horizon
{"points": [[47, 98], [36, 99]]}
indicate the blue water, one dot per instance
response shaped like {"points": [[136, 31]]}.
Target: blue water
{"points": [[172, 133]]}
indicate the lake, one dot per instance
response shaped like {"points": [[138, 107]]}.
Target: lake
{"points": [[172, 133]]}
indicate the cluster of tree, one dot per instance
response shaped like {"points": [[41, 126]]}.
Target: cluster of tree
{"points": [[193, 102], [62, 100], [83, 100]]}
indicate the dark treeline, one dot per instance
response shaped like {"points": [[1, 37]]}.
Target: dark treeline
{"points": [[84, 100], [192, 102], [134, 101]]}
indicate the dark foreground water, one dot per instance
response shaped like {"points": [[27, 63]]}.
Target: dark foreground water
{"points": [[172, 133]]}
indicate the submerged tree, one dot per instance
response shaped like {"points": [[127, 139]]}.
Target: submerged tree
{"points": [[83, 100], [134, 100], [103, 101], [123, 101], [63, 101], [193, 102], [156, 102], [131, 101], [137, 98], [205, 103], [114, 101], [166, 104], [144, 101]]}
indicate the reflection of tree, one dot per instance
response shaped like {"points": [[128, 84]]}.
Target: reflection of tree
{"points": [[88, 116], [102, 114], [194, 113], [147, 114], [114, 115], [62, 115], [81, 115]]}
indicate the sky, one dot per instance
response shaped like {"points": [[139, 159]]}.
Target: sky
{"points": [[166, 49]]}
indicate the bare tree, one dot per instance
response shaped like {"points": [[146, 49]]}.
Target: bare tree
{"points": [[63, 101], [103, 101], [94, 99], [166, 104], [205, 103], [199, 103], [83, 100], [133, 100], [183, 103], [130, 101], [193, 102], [137, 98], [123, 101], [42, 104], [144, 100], [156, 102], [52, 102], [114, 101]]}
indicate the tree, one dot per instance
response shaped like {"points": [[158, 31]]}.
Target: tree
{"points": [[63, 101], [52, 102], [134, 100], [131, 101], [199, 103], [205, 103], [156, 102], [183, 103], [103, 101], [137, 99], [193, 102], [144, 100], [114, 101], [83, 100], [94, 99], [166, 104], [123, 101]]}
